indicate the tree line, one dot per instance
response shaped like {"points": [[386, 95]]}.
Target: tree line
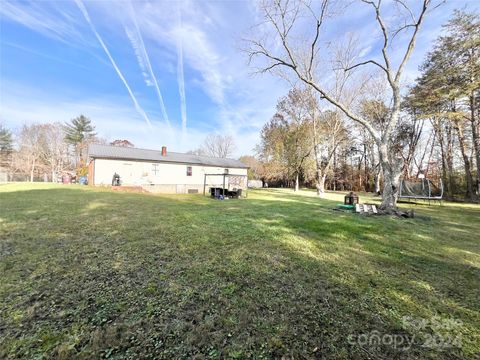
{"points": [[43, 152], [357, 126]]}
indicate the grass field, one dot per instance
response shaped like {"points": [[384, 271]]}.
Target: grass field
{"points": [[87, 273]]}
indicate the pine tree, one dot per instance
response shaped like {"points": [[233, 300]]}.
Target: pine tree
{"points": [[450, 83], [6, 146], [78, 133]]}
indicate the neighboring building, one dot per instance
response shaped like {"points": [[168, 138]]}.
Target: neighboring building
{"points": [[3, 175], [255, 184], [159, 171], [122, 143]]}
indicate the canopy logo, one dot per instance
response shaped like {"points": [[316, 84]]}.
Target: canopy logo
{"points": [[433, 333]]}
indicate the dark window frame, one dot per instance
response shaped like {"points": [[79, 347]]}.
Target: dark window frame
{"points": [[155, 169], [189, 170]]}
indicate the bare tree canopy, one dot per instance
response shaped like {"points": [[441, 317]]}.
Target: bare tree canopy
{"points": [[293, 44], [216, 145], [40, 148]]}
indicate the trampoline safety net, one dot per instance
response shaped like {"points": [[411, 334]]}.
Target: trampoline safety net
{"points": [[420, 189]]}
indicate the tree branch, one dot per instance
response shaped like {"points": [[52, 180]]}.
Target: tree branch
{"points": [[339, 105], [413, 39], [317, 32], [283, 16], [365, 63], [386, 58]]}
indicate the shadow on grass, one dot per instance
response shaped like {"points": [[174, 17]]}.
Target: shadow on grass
{"points": [[98, 273]]}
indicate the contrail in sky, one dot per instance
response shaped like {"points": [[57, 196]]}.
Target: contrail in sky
{"points": [[180, 77], [149, 65], [82, 8]]}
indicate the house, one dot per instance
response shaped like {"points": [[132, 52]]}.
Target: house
{"points": [[162, 171]]}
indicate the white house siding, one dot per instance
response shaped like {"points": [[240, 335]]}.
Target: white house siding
{"points": [[168, 178]]}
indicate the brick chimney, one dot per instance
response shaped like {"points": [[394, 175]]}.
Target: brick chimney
{"points": [[164, 151]]}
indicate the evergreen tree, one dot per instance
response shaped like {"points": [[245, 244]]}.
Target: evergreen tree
{"points": [[78, 133], [6, 146], [450, 83]]}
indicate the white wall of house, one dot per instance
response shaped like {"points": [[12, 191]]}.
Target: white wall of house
{"points": [[161, 177]]}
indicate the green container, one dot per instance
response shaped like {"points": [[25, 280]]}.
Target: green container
{"points": [[345, 207]]}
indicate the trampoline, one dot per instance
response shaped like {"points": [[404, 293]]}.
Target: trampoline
{"points": [[421, 189]]}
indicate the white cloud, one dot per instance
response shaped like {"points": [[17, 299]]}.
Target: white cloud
{"points": [[200, 49], [181, 79], [363, 52], [203, 48], [112, 116], [55, 20], [140, 110], [144, 62], [207, 36], [52, 20]]}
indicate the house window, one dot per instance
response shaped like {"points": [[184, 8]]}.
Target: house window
{"points": [[155, 169], [189, 171], [226, 171]]}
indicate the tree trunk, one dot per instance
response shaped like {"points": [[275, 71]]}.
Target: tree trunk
{"points": [[296, 182], [412, 147], [391, 179], [321, 186], [377, 176], [420, 168], [320, 182], [366, 186], [449, 161], [466, 160], [335, 169], [475, 138], [32, 170], [318, 164], [432, 147], [392, 170], [446, 150]]}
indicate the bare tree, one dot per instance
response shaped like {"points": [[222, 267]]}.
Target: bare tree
{"points": [[216, 145], [27, 158], [292, 110], [328, 133], [301, 57], [53, 149]]}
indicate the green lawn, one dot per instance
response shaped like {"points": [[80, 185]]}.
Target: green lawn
{"points": [[87, 273]]}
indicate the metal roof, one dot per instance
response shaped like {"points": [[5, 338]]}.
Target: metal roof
{"points": [[127, 153]]}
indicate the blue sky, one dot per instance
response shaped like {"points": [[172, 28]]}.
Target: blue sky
{"points": [[156, 73]]}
